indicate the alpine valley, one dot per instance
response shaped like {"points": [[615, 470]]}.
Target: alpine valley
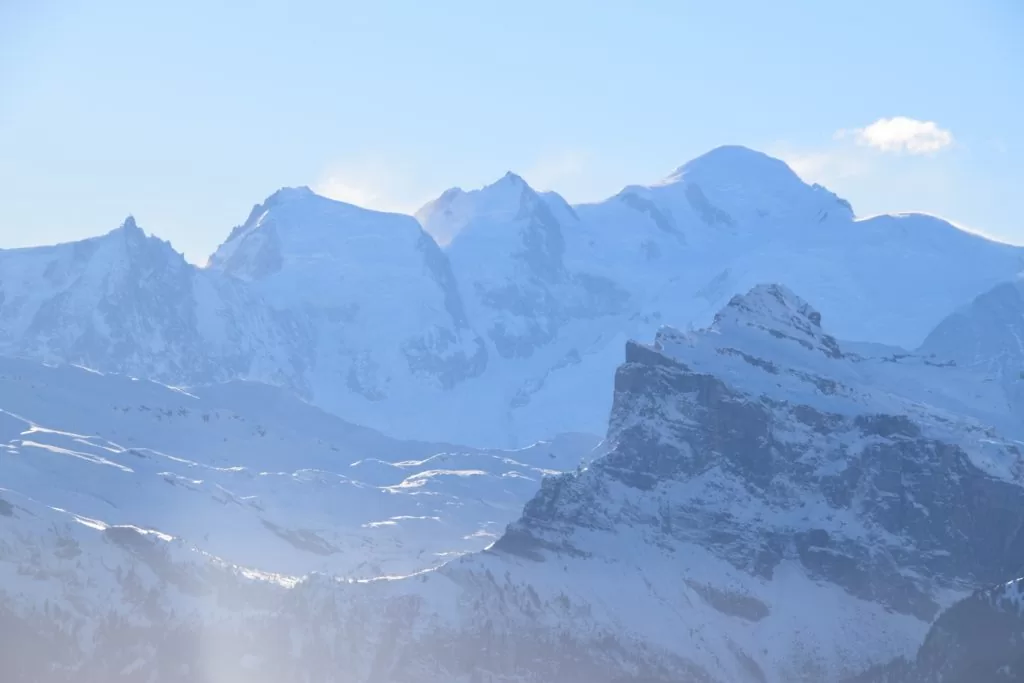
{"points": [[717, 430]]}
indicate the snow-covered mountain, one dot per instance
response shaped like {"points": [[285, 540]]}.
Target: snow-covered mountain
{"points": [[569, 285], [772, 505], [987, 335], [733, 218], [389, 323], [508, 254], [540, 317], [127, 302], [249, 474], [508, 334]]}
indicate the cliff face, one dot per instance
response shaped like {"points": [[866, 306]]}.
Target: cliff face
{"points": [[766, 440], [769, 445]]}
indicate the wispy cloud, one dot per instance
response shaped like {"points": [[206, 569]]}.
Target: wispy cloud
{"points": [[858, 152], [900, 134], [835, 163], [554, 171], [348, 189], [371, 184], [886, 166]]}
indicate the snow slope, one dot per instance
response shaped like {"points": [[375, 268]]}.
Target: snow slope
{"points": [[735, 217], [772, 505], [508, 254], [987, 335], [249, 474], [128, 302], [388, 319]]}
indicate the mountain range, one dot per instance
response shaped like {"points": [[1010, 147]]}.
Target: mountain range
{"points": [[508, 334], [770, 504], [720, 430]]}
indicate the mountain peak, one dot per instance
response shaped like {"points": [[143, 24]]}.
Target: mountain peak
{"points": [[775, 309], [508, 186], [732, 160], [512, 178], [771, 301], [450, 194], [290, 194], [129, 224], [297, 222], [734, 185], [129, 230], [301, 210], [133, 241], [500, 201]]}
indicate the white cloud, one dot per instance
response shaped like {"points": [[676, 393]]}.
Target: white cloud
{"points": [[854, 153], [901, 134]]}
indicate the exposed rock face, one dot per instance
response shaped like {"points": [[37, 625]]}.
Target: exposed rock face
{"points": [[773, 505], [869, 490], [978, 640]]}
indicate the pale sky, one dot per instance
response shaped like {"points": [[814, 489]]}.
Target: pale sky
{"points": [[187, 113]]}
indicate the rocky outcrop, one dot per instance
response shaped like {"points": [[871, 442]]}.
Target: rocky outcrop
{"points": [[770, 445], [977, 640]]}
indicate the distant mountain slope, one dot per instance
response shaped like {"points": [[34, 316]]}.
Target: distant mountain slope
{"points": [[129, 303], [986, 335], [508, 252], [379, 293], [253, 476], [773, 505]]}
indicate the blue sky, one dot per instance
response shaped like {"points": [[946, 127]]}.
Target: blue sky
{"points": [[188, 113]]}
